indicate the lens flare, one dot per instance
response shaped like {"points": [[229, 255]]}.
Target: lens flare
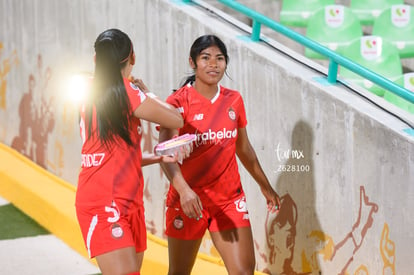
{"points": [[77, 87]]}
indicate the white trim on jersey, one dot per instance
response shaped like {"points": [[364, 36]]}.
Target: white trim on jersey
{"points": [[217, 94]]}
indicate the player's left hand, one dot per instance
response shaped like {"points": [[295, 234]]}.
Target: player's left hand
{"points": [[139, 83], [170, 158], [272, 199], [182, 153]]}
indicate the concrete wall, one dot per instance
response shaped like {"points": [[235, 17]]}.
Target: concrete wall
{"points": [[342, 164]]}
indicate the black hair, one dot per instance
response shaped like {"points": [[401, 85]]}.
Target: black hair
{"points": [[200, 44], [113, 113]]}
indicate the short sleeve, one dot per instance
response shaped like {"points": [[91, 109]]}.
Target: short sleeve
{"points": [[242, 120], [135, 95], [178, 100]]}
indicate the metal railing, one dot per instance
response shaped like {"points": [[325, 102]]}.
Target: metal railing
{"points": [[334, 58]]}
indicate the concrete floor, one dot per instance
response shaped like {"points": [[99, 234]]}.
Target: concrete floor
{"points": [[41, 255]]}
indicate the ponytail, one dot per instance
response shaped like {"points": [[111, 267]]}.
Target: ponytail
{"points": [[190, 79], [108, 96]]}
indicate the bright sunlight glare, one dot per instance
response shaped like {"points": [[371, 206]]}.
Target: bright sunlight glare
{"points": [[77, 87]]}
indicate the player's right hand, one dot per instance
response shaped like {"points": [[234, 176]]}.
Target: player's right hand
{"points": [[191, 204]]}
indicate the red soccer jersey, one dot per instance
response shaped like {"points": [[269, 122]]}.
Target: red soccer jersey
{"points": [[211, 170], [114, 173]]}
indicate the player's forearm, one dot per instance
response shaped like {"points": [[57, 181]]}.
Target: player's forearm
{"points": [[148, 159], [159, 112], [252, 165], [173, 173], [256, 171], [172, 170]]}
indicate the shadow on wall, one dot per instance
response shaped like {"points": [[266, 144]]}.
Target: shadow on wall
{"points": [[285, 232]]}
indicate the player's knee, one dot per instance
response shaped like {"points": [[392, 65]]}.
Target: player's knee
{"points": [[242, 271], [245, 268]]}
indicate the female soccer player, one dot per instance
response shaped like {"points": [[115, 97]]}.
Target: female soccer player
{"points": [[109, 197], [205, 191]]}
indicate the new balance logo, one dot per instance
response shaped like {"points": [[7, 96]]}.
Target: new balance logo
{"points": [[198, 117]]}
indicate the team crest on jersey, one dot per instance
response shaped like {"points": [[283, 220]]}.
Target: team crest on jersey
{"points": [[232, 114], [117, 231], [178, 223]]}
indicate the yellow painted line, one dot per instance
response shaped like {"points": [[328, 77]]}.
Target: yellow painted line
{"points": [[46, 198]]}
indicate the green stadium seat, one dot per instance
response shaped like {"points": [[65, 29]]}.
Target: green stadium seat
{"points": [[396, 24], [406, 81], [335, 27], [375, 54], [368, 10], [296, 13]]}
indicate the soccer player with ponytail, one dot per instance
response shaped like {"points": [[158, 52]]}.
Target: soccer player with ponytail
{"points": [[109, 197]]}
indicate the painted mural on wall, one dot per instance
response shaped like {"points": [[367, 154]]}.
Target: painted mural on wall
{"points": [[281, 232], [295, 242], [6, 63], [36, 117]]}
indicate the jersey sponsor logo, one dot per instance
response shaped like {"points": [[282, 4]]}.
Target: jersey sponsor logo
{"points": [[241, 205], [92, 160], [198, 117], [215, 137]]}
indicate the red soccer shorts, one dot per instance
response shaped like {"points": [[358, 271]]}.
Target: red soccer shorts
{"points": [[104, 229], [215, 218]]}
